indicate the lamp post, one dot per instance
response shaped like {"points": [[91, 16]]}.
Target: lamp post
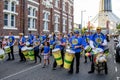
{"points": [[82, 17]]}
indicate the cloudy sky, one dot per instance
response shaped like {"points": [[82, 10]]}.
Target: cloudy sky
{"points": [[91, 8]]}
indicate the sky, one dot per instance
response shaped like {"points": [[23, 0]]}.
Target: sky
{"points": [[91, 8]]}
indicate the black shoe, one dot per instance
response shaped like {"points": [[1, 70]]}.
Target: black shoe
{"points": [[43, 66], [20, 60], [35, 62], [85, 62], [70, 72], [8, 59], [77, 72], [91, 72], [13, 59], [54, 69]]}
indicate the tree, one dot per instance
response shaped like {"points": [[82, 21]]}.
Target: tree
{"points": [[118, 26]]}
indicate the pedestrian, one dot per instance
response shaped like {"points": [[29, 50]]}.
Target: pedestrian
{"points": [[98, 40], [11, 42], [21, 44], [46, 53], [4, 42], [76, 46], [61, 44], [36, 48]]}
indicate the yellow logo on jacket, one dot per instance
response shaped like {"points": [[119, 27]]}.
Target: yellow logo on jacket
{"points": [[75, 41]]}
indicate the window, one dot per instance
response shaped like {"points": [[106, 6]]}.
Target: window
{"points": [[56, 3], [56, 26], [5, 19], [64, 25], [12, 6], [46, 20], [31, 17], [12, 20], [6, 5], [29, 11], [64, 6], [28, 22], [34, 12]]}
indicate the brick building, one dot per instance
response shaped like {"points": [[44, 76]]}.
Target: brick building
{"points": [[36, 16]]}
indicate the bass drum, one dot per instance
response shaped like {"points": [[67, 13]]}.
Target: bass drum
{"points": [[2, 54]]}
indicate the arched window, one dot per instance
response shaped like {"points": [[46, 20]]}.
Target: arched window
{"points": [[6, 5], [29, 10], [12, 6], [34, 12]]}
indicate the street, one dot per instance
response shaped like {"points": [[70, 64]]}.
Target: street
{"points": [[15, 70]]}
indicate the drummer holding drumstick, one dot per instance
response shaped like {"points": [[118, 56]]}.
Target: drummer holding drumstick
{"points": [[98, 41], [11, 42], [60, 43], [21, 45], [76, 46]]}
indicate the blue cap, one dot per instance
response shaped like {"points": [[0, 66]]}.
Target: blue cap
{"points": [[76, 32]]}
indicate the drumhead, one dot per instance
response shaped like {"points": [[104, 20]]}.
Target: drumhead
{"points": [[30, 48], [2, 52], [70, 51], [6, 47], [87, 47], [97, 50], [54, 50], [27, 43], [24, 48]]}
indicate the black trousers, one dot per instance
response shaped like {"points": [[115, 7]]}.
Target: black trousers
{"points": [[0, 44], [36, 54], [22, 57], [77, 56], [62, 54], [11, 54]]}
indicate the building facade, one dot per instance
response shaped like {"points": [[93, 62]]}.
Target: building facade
{"points": [[38, 16]]}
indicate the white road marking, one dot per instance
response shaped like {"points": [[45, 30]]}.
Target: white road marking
{"points": [[118, 78], [116, 69], [20, 72]]}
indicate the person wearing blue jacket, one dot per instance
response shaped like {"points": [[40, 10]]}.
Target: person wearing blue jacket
{"points": [[76, 45], [60, 43], [98, 41], [36, 45], [11, 42], [30, 38], [87, 38], [21, 44]]}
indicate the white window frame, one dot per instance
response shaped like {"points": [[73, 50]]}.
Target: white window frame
{"points": [[64, 24], [32, 17], [56, 24], [32, 1], [46, 20], [64, 6], [57, 3], [10, 12]]}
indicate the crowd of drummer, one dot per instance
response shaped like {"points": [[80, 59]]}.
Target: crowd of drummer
{"points": [[44, 44]]}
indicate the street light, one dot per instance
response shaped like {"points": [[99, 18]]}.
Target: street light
{"points": [[82, 17]]}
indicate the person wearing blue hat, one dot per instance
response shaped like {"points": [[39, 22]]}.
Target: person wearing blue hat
{"points": [[98, 41], [76, 46]]}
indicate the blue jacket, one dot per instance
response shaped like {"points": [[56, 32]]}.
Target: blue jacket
{"points": [[11, 40]]}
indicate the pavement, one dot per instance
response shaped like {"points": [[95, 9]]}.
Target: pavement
{"points": [[15, 70]]}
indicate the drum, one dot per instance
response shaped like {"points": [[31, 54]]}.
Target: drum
{"points": [[69, 55], [27, 43], [88, 49], [7, 49], [100, 58], [51, 46], [31, 53], [57, 55], [25, 52], [2, 54]]}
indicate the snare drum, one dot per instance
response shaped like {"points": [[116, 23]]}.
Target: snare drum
{"points": [[25, 52], [2, 54], [88, 49], [57, 55], [7, 49], [27, 43], [69, 55], [31, 53]]}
